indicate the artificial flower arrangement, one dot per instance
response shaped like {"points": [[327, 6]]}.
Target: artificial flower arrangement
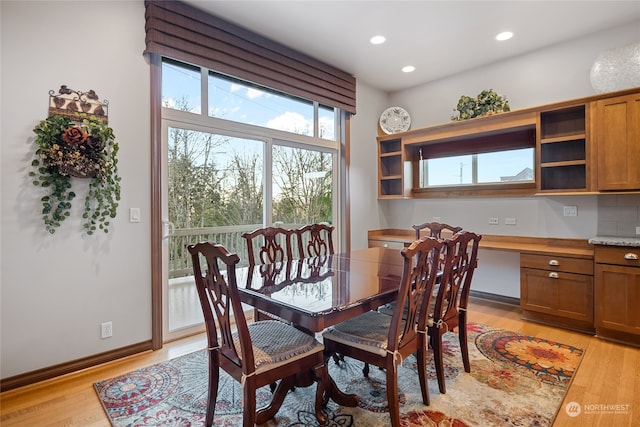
{"points": [[487, 103], [76, 141]]}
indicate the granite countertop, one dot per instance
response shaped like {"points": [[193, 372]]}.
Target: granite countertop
{"points": [[615, 241]]}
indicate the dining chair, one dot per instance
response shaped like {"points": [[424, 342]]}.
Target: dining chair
{"points": [[255, 354], [435, 229], [315, 240], [448, 309], [384, 341], [267, 246]]}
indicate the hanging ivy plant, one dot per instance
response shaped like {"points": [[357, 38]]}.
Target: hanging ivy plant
{"points": [[82, 148]]}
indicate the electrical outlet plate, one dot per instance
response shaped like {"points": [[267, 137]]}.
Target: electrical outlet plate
{"points": [[494, 221], [510, 221], [570, 211], [638, 231], [106, 330]]}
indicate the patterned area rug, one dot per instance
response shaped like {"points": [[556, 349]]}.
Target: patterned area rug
{"points": [[515, 380]]}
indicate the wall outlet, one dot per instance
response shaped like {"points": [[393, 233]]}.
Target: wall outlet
{"points": [[510, 221], [570, 211], [494, 221], [437, 219], [638, 231], [106, 330]]}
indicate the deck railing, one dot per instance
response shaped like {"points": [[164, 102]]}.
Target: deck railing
{"points": [[228, 236]]}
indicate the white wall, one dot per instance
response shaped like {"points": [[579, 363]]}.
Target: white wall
{"points": [[366, 211], [57, 289], [555, 74]]}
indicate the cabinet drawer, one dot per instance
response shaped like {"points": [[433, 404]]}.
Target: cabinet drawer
{"points": [[557, 263], [618, 255]]}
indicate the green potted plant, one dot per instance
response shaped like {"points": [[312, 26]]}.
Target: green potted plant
{"points": [[68, 149], [487, 102]]}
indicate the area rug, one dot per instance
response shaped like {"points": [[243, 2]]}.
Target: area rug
{"points": [[515, 380]]}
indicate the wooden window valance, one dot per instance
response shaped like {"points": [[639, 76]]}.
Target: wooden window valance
{"points": [[180, 31]]}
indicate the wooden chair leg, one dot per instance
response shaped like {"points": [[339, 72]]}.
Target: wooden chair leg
{"points": [[337, 358], [249, 404], [392, 396], [214, 379], [464, 343], [422, 374], [436, 345]]}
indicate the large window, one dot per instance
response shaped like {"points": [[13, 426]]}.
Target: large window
{"points": [[507, 166], [281, 148], [476, 164], [232, 99]]}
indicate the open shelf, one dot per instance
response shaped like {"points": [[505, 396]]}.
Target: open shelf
{"points": [[563, 149], [563, 177], [563, 123], [391, 166]]}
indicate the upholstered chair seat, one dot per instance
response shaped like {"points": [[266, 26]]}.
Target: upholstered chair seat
{"points": [[369, 332], [275, 343]]}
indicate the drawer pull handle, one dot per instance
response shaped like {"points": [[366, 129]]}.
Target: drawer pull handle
{"points": [[631, 256], [553, 275], [554, 262]]}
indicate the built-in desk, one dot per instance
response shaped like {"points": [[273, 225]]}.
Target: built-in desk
{"points": [[556, 275], [575, 248]]}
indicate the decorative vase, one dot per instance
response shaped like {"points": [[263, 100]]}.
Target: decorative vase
{"points": [[616, 69]]}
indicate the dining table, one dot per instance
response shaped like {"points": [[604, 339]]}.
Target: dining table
{"points": [[317, 292]]}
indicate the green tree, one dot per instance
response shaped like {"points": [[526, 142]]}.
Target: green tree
{"points": [[303, 180]]}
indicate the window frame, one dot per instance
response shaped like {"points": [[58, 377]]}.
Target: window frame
{"points": [[506, 139], [204, 122]]}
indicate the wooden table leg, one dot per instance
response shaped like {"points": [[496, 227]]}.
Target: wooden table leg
{"points": [[269, 411], [334, 393]]}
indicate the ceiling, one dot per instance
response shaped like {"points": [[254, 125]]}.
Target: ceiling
{"points": [[439, 38]]}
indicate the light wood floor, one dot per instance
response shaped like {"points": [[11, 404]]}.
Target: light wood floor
{"points": [[609, 375]]}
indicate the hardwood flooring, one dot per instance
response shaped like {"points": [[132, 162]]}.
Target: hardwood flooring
{"points": [[608, 377]]}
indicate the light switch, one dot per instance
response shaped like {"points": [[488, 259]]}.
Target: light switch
{"points": [[134, 214]]}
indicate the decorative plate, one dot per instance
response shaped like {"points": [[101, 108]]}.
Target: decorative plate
{"points": [[394, 120]]}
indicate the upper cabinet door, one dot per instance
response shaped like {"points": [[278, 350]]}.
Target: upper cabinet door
{"points": [[618, 142]]}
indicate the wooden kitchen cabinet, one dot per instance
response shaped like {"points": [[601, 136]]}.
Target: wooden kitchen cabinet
{"points": [[557, 290], [583, 146], [617, 293], [617, 129], [564, 150]]}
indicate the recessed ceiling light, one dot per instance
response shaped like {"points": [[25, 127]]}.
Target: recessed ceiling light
{"points": [[377, 39], [408, 68], [505, 35]]}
